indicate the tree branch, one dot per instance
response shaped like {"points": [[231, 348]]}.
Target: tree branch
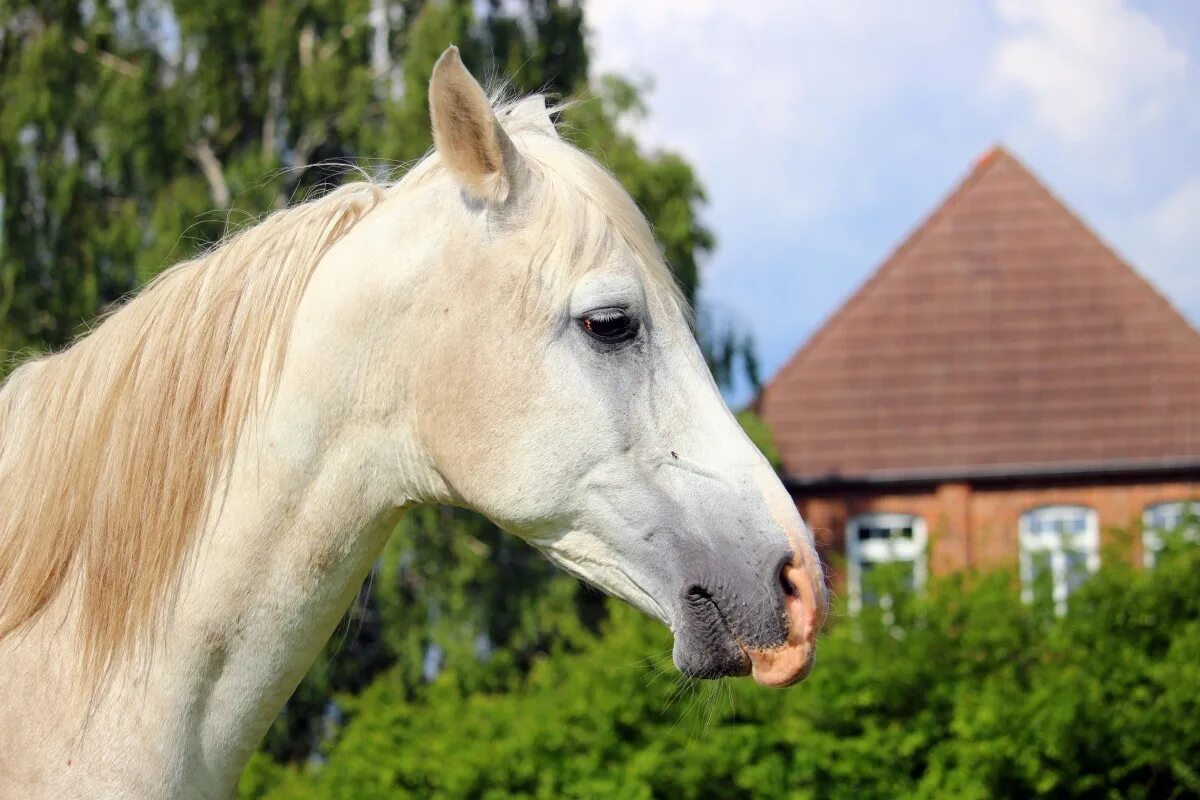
{"points": [[202, 153], [126, 68]]}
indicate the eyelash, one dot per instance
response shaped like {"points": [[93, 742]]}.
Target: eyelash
{"points": [[609, 325]]}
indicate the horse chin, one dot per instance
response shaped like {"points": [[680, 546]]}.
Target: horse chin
{"points": [[715, 659], [705, 647]]}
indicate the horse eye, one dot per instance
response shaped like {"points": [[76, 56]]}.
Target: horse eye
{"points": [[610, 325]]}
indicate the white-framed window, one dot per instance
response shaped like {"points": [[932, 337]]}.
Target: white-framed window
{"points": [[873, 540], [1060, 547], [1162, 521]]}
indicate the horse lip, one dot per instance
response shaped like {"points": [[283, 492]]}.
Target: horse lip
{"points": [[762, 665], [744, 665]]}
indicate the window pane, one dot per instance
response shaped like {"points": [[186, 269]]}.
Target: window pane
{"points": [[1168, 527], [1057, 542], [1076, 569], [872, 532], [1057, 519], [1168, 517], [1163, 518], [888, 558], [1041, 579], [889, 579], [867, 589]]}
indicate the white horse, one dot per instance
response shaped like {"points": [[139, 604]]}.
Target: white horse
{"points": [[191, 496]]}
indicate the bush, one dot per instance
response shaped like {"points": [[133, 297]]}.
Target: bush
{"points": [[964, 692]]}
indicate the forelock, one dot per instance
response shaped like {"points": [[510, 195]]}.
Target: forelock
{"points": [[579, 213]]}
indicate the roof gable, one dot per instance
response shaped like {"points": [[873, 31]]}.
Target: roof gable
{"points": [[1001, 332]]}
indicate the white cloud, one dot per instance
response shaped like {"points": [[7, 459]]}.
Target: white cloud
{"points": [[777, 101], [1090, 69]]}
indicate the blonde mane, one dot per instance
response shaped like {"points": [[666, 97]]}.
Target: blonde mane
{"points": [[110, 450]]}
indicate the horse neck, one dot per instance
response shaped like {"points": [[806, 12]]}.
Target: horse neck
{"points": [[269, 584], [318, 484], [298, 524]]}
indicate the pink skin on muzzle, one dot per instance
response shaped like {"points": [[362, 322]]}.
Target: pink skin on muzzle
{"points": [[804, 603], [804, 596]]}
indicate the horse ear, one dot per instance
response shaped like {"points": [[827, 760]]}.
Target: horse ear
{"points": [[533, 109], [466, 132]]}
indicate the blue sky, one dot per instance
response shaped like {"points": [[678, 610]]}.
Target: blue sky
{"points": [[826, 131]]}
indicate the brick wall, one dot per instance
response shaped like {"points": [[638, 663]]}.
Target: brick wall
{"points": [[978, 526]]}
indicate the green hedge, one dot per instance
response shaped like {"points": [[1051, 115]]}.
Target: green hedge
{"points": [[964, 692]]}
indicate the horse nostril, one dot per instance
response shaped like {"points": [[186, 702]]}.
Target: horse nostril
{"points": [[789, 588]]}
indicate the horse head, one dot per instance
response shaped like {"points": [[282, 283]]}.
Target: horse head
{"points": [[562, 393]]}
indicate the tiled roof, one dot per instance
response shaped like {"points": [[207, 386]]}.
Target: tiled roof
{"points": [[1002, 332]]}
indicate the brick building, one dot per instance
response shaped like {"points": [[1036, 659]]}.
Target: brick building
{"points": [[1003, 390]]}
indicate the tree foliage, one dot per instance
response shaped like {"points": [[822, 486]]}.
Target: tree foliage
{"points": [[966, 692], [134, 133]]}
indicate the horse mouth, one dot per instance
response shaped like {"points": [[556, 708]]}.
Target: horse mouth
{"points": [[709, 649], [708, 645]]}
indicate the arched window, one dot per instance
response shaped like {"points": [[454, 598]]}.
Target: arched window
{"points": [[875, 540], [1166, 521], [1060, 547]]}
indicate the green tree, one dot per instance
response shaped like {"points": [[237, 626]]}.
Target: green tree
{"points": [[971, 694], [134, 134]]}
